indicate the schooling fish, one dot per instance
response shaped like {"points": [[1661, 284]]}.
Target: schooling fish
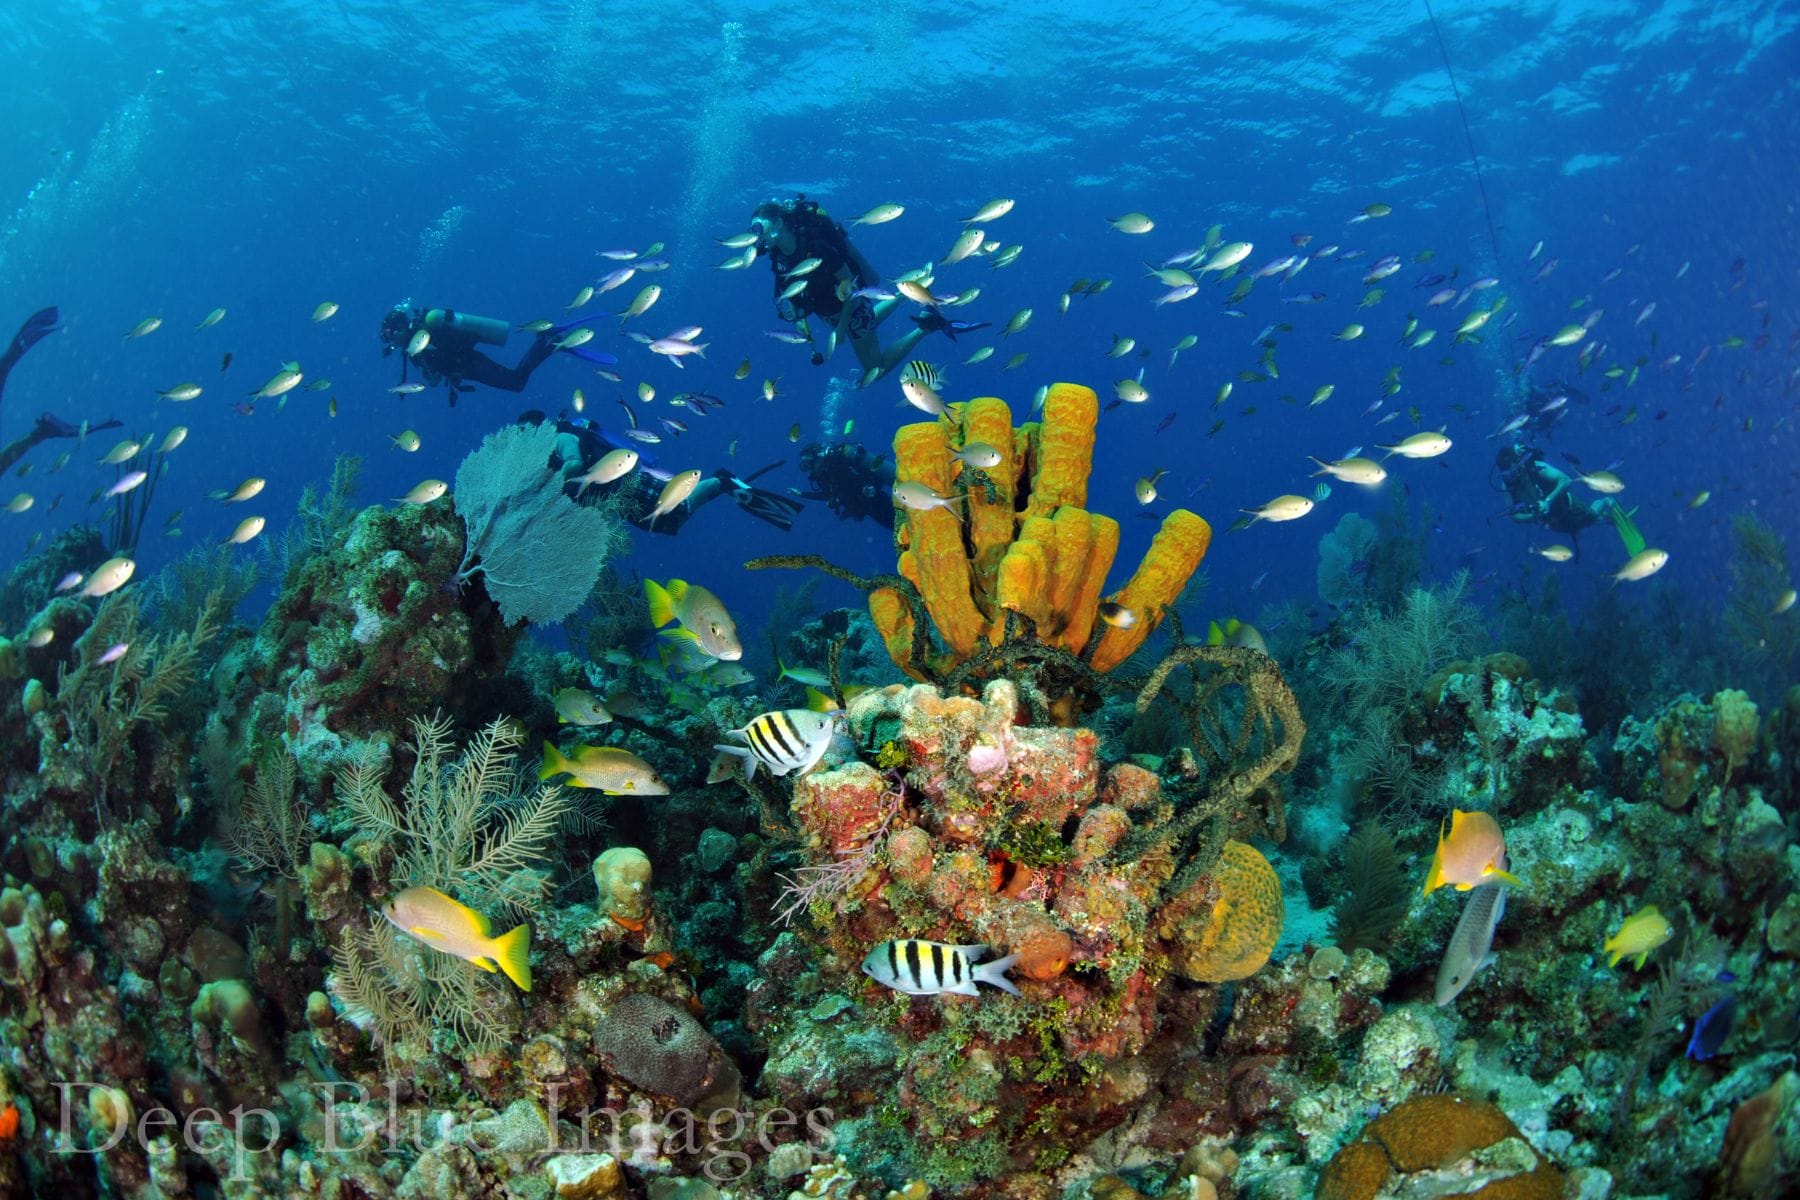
{"points": [[921, 968], [448, 925]]}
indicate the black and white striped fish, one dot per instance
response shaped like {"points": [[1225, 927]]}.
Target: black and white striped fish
{"points": [[929, 374], [791, 739], [921, 968]]}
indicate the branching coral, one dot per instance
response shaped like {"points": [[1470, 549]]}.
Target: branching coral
{"points": [[465, 827], [1393, 655], [110, 691]]}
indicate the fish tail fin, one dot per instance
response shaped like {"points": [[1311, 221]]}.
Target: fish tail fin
{"points": [[1505, 876], [1608, 948], [1638, 963], [1628, 532], [662, 603], [554, 762], [1434, 879], [1215, 636], [512, 952], [995, 973], [818, 701]]}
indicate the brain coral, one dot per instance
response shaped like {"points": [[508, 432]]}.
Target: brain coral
{"points": [[1226, 925], [1429, 1133]]}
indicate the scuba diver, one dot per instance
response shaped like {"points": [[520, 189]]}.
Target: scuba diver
{"points": [[1544, 495], [451, 357], [581, 443], [36, 328], [794, 231], [853, 483]]}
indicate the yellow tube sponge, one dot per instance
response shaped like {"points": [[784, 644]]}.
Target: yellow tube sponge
{"points": [[1086, 578], [1174, 555], [939, 563], [894, 622], [991, 522], [1064, 453], [1025, 576]]}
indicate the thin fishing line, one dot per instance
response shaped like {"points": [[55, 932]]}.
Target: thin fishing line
{"points": [[1487, 210]]}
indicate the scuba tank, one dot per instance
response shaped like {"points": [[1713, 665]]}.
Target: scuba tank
{"points": [[481, 329]]}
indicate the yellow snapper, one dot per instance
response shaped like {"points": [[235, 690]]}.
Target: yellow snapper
{"points": [[604, 769], [1638, 935], [576, 707], [702, 615], [453, 927], [679, 488], [1473, 853]]}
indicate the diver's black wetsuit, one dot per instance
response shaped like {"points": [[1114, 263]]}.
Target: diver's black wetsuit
{"points": [[452, 357], [36, 328], [853, 483], [816, 236]]}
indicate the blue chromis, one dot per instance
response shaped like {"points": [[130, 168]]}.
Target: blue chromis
{"points": [[1713, 1027], [921, 968], [453, 927], [1471, 854], [1639, 934]]}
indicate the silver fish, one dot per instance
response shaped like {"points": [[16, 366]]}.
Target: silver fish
{"points": [[1471, 945]]}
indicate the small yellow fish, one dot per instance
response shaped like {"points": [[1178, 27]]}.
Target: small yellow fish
{"points": [[406, 440], [246, 529], [1784, 602], [325, 311], [581, 298], [425, 492], [574, 338], [1349, 333], [743, 370], [108, 577], [1474, 853], [210, 319], [993, 210], [1604, 482], [417, 345], [576, 707], [122, 452], [881, 214], [1132, 222], [704, 620], [1642, 565], [1281, 508], [1145, 490], [181, 391], [454, 928], [641, 303], [794, 432], [604, 769], [1555, 553], [1638, 935], [20, 503], [1364, 471], [679, 488], [614, 464], [247, 489], [146, 326], [1699, 499], [1117, 615], [646, 393]]}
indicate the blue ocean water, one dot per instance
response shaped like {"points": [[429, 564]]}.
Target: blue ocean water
{"points": [[166, 159]]}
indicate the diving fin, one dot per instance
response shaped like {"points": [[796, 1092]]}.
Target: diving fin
{"points": [[1628, 532], [778, 511], [38, 326]]}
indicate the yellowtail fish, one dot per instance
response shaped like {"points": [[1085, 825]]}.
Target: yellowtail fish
{"points": [[1426, 444], [108, 577], [325, 310], [703, 618], [921, 968], [452, 927], [576, 707], [1364, 471], [919, 497], [603, 769], [1638, 935], [784, 741], [280, 384], [1642, 565], [993, 210], [1281, 508], [881, 214], [679, 488], [614, 464], [246, 529], [121, 452], [1471, 854]]}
